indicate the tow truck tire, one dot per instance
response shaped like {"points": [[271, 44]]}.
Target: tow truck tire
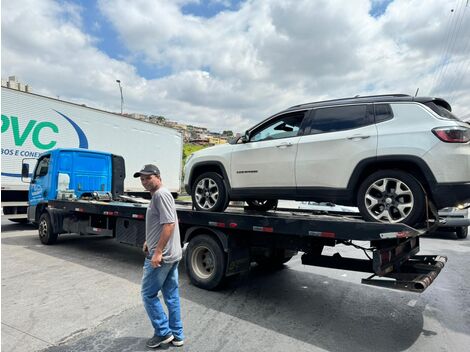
{"points": [[205, 262], [262, 205], [461, 232], [410, 192], [46, 234], [209, 193]]}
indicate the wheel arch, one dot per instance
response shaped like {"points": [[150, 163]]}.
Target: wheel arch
{"points": [[208, 166], [217, 235], [413, 165], [56, 217]]}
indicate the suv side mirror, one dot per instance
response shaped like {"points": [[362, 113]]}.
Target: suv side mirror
{"points": [[234, 140], [245, 138]]}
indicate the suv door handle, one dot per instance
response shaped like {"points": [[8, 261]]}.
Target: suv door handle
{"points": [[284, 145], [357, 137]]}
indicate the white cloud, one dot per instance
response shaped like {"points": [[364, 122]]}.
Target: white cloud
{"points": [[234, 69]]}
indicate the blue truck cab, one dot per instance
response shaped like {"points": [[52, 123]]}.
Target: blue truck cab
{"points": [[72, 174]]}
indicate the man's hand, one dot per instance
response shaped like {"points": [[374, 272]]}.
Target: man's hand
{"points": [[145, 249], [157, 259]]}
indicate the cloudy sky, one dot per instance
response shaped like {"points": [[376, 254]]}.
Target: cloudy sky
{"points": [[228, 64]]}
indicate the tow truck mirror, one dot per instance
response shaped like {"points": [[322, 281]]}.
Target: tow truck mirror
{"points": [[25, 177], [24, 170], [26, 166]]}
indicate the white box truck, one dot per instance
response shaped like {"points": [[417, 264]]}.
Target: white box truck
{"points": [[33, 124]]}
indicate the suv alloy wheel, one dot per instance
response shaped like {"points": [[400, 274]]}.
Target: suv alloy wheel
{"points": [[391, 196], [209, 192]]}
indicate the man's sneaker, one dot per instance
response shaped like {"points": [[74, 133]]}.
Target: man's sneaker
{"points": [[158, 340], [177, 342]]}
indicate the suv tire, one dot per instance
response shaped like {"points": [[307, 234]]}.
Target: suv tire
{"points": [[461, 232], [209, 193], [391, 196]]}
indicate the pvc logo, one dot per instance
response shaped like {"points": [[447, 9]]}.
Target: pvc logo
{"points": [[20, 136], [43, 136], [32, 126]]}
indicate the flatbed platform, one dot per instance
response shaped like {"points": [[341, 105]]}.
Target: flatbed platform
{"points": [[222, 244], [276, 221]]}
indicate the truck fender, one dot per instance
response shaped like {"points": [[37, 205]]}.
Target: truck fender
{"points": [[57, 219], [196, 230], [238, 257]]}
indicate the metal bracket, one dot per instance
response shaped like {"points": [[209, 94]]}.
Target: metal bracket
{"points": [[415, 275]]}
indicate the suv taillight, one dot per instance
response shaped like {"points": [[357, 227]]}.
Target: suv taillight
{"points": [[452, 134]]}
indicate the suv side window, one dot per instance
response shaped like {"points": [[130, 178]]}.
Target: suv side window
{"points": [[383, 112], [284, 126], [340, 118]]}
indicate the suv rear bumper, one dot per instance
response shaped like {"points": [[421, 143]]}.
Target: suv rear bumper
{"points": [[451, 194], [454, 217]]}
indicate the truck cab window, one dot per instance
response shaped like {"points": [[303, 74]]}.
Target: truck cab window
{"points": [[42, 168]]}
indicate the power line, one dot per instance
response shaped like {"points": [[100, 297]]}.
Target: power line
{"points": [[461, 66], [460, 71], [442, 49], [452, 24], [453, 39]]}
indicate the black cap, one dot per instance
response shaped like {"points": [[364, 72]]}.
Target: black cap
{"points": [[148, 169]]}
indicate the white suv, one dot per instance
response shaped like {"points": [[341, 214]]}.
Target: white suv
{"points": [[384, 154]]}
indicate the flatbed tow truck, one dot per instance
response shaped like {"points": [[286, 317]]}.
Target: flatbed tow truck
{"points": [[81, 191], [220, 245]]}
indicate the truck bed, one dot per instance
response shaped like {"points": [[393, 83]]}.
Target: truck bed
{"points": [[284, 222], [393, 259]]}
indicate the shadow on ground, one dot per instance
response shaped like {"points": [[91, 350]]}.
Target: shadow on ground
{"points": [[328, 313]]}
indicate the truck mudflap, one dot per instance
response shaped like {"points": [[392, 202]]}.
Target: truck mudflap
{"points": [[416, 274]]}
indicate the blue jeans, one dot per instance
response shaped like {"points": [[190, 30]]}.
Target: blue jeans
{"points": [[164, 278]]}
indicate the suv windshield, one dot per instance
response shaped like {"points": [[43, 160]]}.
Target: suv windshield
{"points": [[441, 111]]}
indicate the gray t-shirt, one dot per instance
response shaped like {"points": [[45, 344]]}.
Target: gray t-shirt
{"points": [[160, 211]]}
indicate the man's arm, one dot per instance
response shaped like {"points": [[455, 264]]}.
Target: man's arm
{"points": [[167, 231]]}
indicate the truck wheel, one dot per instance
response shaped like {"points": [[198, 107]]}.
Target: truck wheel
{"points": [[461, 232], [46, 235], [391, 196], [262, 205], [209, 193], [205, 262]]}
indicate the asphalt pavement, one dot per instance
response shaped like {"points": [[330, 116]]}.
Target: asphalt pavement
{"points": [[83, 294]]}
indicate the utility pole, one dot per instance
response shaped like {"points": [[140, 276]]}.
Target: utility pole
{"points": [[120, 88]]}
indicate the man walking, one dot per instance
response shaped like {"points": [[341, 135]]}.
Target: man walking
{"points": [[163, 252]]}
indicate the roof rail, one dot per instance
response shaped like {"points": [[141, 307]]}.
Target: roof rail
{"points": [[355, 97]]}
